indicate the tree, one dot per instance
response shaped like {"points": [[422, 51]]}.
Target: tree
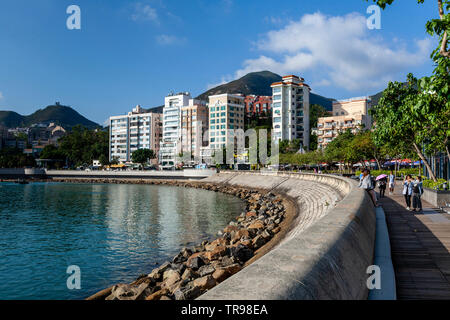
{"points": [[142, 156], [428, 106]]}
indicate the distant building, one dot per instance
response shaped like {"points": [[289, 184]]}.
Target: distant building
{"points": [[194, 127], [136, 130], [258, 105], [290, 110], [43, 134], [226, 114], [171, 137], [350, 114]]}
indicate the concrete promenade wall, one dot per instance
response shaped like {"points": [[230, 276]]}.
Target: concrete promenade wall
{"points": [[326, 253], [179, 174], [435, 197]]}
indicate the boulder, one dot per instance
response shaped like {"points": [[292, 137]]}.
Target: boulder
{"points": [[189, 274], [206, 270], [220, 275], [216, 253], [232, 269], [195, 261], [205, 283], [241, 253], [258, 225], [187, 293]]}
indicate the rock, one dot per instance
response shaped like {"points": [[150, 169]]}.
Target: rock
{"points": [[171, 277], [232, 269], [276, 230], [216, 253], [226, 261], [258, 242], [155, 276], [240, 234], [129, 292], [242, 253], [205, 283], [220, 275], [178, 267], [187, 293], [206, 270], [266, 235], [251, 214], [189, 274], [195, 261], [230, 229], [165, 298], [258, 225], [158, 294]]}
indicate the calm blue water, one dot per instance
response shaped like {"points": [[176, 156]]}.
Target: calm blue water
{"points": [[112, 232]]}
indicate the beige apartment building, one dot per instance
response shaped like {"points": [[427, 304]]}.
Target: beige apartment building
{"points": [[194, 127], [226, 115], [350, 114]]}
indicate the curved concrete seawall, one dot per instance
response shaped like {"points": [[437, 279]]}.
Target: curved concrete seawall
{"points": [[327, 250]]}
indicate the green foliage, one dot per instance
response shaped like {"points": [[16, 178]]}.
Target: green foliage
{"points": [[53, 153], [81, 146], [434, 184], [402, 172], [419, 113], [142, 156], [15, 158]]}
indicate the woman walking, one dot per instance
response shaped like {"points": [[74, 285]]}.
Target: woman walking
{"points": [[366, 183], [417, 193], [391, 182], [382, 186], [407, 191]]}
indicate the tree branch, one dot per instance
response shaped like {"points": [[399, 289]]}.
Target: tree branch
{"points": [[443, 51]]}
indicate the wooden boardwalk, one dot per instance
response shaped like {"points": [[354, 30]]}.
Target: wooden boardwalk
{"points": [[420, 244]]}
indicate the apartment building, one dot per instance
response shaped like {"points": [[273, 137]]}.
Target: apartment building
{"points": [[258, 105], [226, 114], [194, 128], [138, 129], [352, 114], [171, 145], [290, 110]]}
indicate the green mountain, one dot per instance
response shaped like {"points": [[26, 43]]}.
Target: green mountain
{"points": [[258, 83], [59, 114]]}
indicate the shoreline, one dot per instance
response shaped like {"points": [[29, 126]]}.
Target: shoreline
{"points": [[258, 229]]}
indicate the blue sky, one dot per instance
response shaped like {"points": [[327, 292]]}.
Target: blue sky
{"points": [[129, 53]]}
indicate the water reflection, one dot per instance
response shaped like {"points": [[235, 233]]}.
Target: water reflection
{"points": [[113, 232]]}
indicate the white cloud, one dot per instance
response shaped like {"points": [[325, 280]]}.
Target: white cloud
{"points": [[144, 12], [340, 50], [168, 40]]}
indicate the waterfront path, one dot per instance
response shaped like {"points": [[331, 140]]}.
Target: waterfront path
{"points": [[420, 244]]}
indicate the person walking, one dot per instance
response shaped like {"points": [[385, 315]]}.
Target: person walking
{"points": [[382, 186], [407, 191], [391, 182], [366, 183], [417, 193]]}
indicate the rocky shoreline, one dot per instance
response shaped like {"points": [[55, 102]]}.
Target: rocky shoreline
{"points": [[197, 269]]}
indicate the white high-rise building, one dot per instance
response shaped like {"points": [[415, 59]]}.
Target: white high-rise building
{"points": [[291, 110], [136, 130], [171, 137]]}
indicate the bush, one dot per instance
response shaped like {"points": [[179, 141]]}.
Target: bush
{"points": [[430, 184], [400, 173]]}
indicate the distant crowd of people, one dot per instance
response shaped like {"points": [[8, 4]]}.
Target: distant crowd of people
{"points": [[412, 188]]}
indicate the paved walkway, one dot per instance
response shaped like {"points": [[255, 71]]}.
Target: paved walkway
{"points": [[420, 245]]}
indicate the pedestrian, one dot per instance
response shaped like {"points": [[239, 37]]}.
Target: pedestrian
{"points": [[417, 193], [366, 183], [407, 191], [391, 182], [382, 186]]}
